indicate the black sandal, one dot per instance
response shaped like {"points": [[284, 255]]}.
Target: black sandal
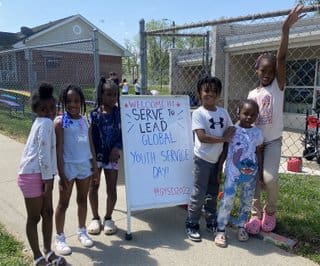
{"points": [[54, 259]]}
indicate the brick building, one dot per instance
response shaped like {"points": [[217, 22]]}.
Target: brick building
{"points": [[59, 52]]}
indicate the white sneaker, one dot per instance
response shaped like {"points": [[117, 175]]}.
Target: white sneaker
{"points": [[94, 227], [109, 227], [61, 246], [84, 239]]}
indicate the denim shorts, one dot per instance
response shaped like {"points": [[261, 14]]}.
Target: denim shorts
{"points": [[78, 170], [108, 166]]}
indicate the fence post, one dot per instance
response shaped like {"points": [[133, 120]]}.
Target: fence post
{"points": [[143, 57], [226, 81], [173, 38], [207, 52], [96, 61], [28, 58]]}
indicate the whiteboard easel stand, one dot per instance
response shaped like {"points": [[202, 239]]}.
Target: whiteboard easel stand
{"points": [[184, 112], [128, 235]]}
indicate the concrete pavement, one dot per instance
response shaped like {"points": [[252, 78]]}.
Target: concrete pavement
{"points": [[158, 234]]}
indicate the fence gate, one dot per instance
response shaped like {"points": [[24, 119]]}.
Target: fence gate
{"points": [[173, 58]]}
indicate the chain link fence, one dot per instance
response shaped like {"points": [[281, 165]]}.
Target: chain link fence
{"points": [[174, 58], [57, 63], [70, 62]]}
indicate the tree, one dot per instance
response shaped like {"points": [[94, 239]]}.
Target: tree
{"points": [[130, 65], [157, 52]]}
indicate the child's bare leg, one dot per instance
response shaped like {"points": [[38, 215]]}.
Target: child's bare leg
{"points": [[82, 194], [33, 206], [111, 182], [64, 198], [47, 216], [94, 198]]}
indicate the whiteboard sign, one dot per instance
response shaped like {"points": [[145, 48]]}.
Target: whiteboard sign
{"points": [[157, 150]]}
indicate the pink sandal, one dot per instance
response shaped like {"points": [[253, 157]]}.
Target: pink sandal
{"points": [[253, 225], [268, 222]]}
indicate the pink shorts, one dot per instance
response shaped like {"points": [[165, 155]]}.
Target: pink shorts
{"points": [[31, 185]]}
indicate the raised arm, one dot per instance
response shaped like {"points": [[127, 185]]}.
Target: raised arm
{"points": [[293, 17]]}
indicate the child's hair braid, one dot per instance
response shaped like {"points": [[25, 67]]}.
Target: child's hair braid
{"points": [[77, 89], [108, 83]]}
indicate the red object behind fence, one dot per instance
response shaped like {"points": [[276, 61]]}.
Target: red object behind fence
{"points": [[312, 121], [294, 164]]}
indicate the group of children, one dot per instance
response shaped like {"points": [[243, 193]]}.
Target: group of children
{"points": [[79, 151], [82, 147], [251, 150]]}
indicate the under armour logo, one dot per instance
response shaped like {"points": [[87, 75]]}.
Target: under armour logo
{"points": [[213, 123]]}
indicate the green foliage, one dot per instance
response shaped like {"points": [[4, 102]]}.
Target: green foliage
{"points": [[299, 213], [17, 125], [130, 66], [88, 93], [11, 250], [157, 53]]}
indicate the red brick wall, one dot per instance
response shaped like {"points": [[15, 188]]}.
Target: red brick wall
{"points": [[60, 68]]}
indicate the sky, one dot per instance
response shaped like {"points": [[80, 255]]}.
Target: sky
{"points": [[120, 19]]}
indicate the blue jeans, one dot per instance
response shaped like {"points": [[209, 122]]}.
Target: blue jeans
{"points": [[205, 192]]}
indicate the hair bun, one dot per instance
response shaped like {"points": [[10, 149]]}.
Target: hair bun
{"points": [[45, 90]]}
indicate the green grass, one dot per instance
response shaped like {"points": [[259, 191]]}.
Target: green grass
{"points": [[11, 250], [17, 125], [299, 213]]}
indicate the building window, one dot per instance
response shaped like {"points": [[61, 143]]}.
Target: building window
{"points": [[299, 85], [52, 62]]}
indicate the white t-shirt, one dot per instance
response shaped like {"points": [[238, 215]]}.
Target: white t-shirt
{"points": [[39, 154], [137, 88], [125, 88], [270, 101], [214, 123]]}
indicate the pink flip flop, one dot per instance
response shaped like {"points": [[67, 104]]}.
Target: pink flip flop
{"points": [[253, 225], [268, 222]]}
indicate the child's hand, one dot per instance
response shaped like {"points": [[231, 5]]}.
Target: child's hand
{"points": [[63, 183], [95, 175], [96, 178], [293, 17], [47, 188], [114, 155], [260, 148], [228, 134]]}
